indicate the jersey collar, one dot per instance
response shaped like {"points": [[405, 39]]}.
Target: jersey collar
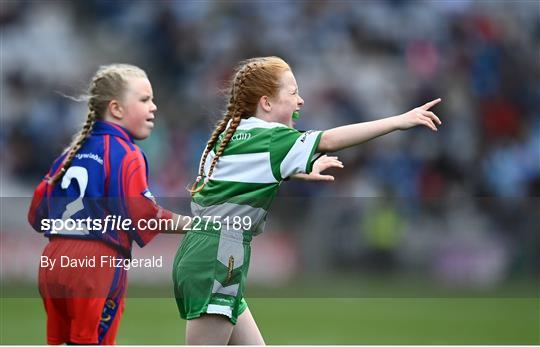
{"points": [[102, 127], [254, 122]]}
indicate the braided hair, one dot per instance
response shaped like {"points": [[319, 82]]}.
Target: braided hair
{"points": [[253, 79]]}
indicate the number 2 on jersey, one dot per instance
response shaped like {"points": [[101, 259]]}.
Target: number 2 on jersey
{"points": [[80, 174]]}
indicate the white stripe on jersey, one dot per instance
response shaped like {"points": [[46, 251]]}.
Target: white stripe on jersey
{"points": [[245, 168], [247, 124], [254, 122], [299, 155]]}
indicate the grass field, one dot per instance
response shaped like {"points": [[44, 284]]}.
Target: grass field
{"points": [[318, 321]]}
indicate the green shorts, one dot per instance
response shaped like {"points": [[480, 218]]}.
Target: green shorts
{"points": [[209, 274]]}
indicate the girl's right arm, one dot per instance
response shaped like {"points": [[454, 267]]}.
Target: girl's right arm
{"points": [[180, 224], [38, 207], [140, 205], [350, 135]]}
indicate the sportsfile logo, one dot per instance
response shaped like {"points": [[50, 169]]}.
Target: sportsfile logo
{"points": [[84, 226], [111, 222]]}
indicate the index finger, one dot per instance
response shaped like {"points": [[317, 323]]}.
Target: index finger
{"points": [[430, 104]]}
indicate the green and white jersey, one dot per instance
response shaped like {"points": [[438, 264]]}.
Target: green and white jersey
{"points": [[247, 176], [211, 265]]}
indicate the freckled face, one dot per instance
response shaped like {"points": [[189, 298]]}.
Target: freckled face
{"points": [[287, 100], [138, 108]]}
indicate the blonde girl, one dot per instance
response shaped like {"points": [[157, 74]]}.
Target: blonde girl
{"points": [[103, 173]]}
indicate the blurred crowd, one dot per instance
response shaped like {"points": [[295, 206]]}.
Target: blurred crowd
{"points": [[354, 61]]}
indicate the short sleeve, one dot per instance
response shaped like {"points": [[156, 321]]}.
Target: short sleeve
{"points": [[292, 152]]}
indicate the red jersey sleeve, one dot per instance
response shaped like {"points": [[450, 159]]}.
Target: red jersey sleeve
{"points": [[138, 201], [38, 207]]}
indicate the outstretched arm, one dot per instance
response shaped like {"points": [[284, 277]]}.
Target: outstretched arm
{"points": [[350, 135]]}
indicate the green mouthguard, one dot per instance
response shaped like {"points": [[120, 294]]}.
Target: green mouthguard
{"points": [[296, 115]]}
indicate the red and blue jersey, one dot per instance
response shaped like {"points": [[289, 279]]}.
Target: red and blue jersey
{"points": [[107, 177]]}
